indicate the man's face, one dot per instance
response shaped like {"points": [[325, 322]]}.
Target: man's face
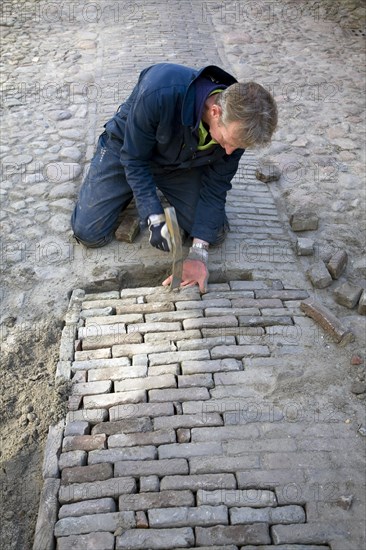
{"points": [[226, 136]]}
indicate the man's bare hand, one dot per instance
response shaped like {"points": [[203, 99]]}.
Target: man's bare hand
{"points": [[194, 272]]}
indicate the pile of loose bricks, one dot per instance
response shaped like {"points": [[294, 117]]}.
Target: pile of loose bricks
{"points": [[161, 449]]}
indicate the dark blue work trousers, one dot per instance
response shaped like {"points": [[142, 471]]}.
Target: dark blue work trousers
{"points": [[105, 193]]}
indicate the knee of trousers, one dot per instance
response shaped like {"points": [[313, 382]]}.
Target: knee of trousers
{"points": [[90, 239]]}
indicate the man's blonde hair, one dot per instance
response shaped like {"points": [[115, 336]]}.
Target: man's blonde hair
{"points": [[254, 108]]}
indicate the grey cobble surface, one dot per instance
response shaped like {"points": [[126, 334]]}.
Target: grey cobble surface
{"points": [[190, 408]]}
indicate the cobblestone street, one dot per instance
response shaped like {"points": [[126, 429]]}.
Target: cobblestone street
{"points": [[226, 420]]}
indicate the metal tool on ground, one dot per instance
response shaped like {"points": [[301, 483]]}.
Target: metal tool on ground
{"points": [[175, 236]]}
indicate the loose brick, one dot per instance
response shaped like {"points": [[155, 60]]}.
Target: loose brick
{"points": [[112, 340], [158, 437], [116, 373], [187, 421], [104, 353], [233, 534], [319, 275], [348, 294], [137, 349], [93, 416], [327, 321], [337, 263], [149, 484], [101, 363], [304, 247], [311, 533], [151, 467], [164, 499], [285, 515], [211, 322], [123, 426], [153, 382], [181, 450], [47, 514], [362, 304], [177, 357], [186, 516], [155, 539], [84, 474], [94, 523], [213, 465], [179, 394], [304, 221], [83, 442], [172, 336], [87, 507], [140, 410], [112, 399], [205, 343], [237, 352], [92, 388], [196, 482], [71, 459], [96, 489], [91, 541], [253, 498], [127, 453], [220, 365], [192, 380]]}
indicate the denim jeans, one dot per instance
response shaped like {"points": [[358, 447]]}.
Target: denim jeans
{"points": [[105, 193]]}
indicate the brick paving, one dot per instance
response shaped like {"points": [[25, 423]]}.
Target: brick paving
{"points": [[187, 423]]}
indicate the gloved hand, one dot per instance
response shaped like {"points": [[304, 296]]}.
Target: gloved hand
{"points": [[159, 234], [194, 270]]}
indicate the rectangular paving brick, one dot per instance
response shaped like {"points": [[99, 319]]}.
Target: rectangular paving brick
{"points": [[252, 334], [168, 316], [91, 541], [181, 450], [96, 489], [86, 507], [216, 464], [188, 516], [240, 447], [233, 534], [158, 370], [211, 322], [237, 352], [83, 442], [172, 336], [316, 459], [151, 307], [110, 340], [157, 437], [154, 327], [179, 394], [228, 294], [289, 547], [112, 319], [93, 416], [211, 312], [285, 515], [94, 523], [92, 388], [248, 285], [138, 291], [140, 410], [101, 363], [255, 302], [225, 433], [164, 499], [219, 365], [205, 343], [183, 295], [159, 468], [116, 373], [282, 294], [177, 357], [112, 399], [147, 452], [311, 533], [187, 421], [138, 349], [195, 482], [148, 383], [104, 353], [261, 321], [108, 295], [244, 497], [99, 331], [155, 539], [129, 425], [290, 479], [192, 380], [71, 459], [84, 474]]}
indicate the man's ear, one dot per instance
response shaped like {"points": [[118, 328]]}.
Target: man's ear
{"points": [[216, 110]]}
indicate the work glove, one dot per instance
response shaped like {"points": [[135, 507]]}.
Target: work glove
{"points": [[195, 270], [159, 234]]}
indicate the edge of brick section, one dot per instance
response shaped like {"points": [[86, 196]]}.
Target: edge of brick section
{"points": [[328, 321]]}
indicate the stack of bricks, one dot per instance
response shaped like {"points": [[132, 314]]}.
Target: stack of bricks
{"points": [[162, 447]]}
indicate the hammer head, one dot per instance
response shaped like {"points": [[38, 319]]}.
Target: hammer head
{"points": [[176, 240]]}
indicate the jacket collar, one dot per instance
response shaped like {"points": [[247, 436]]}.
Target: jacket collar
{"points": [[214, 73]]}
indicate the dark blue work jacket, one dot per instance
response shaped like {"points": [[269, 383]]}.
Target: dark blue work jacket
{"points": [[158, 127]]}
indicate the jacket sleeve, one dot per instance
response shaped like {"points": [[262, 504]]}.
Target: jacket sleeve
{"points": [[216, 182], [142, 124]]}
